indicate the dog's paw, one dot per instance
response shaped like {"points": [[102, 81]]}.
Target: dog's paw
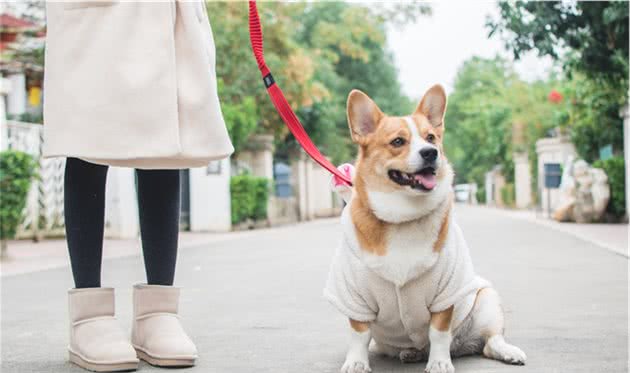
{"points": [[512, 355], [439, 366], [356, 366], [411, 355]]}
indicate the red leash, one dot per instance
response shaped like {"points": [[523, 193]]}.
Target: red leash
{"points": [[280, 102]]}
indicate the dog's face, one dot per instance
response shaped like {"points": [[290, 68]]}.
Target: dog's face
{"points": [[400, 154]]}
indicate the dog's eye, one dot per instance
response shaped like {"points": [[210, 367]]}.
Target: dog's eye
{"points": [[397, 142], [431, 138]]}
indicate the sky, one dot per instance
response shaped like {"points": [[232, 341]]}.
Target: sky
{"points": [[431, 50]]}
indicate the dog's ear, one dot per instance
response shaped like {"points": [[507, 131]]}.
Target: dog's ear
{"points": [[363, 116], [433, 105]]}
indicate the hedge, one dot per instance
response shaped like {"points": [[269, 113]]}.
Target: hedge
{"points": [[614, 168], [508, 195], [481, 194], [249, 196], [17, 169]]}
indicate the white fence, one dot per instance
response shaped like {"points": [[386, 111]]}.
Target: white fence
{"points": [[44, 209]]}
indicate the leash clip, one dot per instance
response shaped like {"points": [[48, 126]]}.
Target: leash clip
{"points": [[268, 80]]}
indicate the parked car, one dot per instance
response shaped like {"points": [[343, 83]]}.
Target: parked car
{"points": [[465, 193]]}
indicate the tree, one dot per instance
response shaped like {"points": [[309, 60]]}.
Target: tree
{"points": [[241, 87], [491, 114], [590, 39], [318, 53], [349, 40]]}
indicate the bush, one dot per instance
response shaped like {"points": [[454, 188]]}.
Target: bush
{"points": [[17, 169], [261, 190], [249, 196], [481, 194], [36, 118], [508, 194], [614, 168]]}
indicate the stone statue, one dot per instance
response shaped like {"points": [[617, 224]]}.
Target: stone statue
{"points": [[584, 193]]}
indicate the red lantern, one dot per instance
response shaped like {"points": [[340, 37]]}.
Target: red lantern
{"points": [[555, 96]]}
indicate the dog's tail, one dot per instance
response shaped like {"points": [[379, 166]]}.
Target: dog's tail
{"points": [[339, 186]]}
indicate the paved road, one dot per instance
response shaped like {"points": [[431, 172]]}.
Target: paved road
{"points": [[253, 303]]}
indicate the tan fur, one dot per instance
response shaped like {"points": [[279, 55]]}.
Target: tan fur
{"points": [[433, 106], [359, 326], [371, 231], [441, 239], [442, 320]]}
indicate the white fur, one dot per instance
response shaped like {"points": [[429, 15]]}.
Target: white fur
{"points": [[440, 354], [416, 144], [496, 348], [409, 252], [357, 360]]}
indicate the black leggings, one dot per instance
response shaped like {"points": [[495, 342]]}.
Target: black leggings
{"points": [[158, 204]]}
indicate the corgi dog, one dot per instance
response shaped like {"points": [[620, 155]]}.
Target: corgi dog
{"points": [[403, 274]]}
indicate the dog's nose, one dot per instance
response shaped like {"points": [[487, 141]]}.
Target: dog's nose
{"points": [[429, 153]]}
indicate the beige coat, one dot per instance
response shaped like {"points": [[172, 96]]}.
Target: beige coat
{"points": [[132, 84], [398, 303]]}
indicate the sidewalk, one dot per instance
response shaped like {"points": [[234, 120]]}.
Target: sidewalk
{"points": [[26, 256], [613, 237]]}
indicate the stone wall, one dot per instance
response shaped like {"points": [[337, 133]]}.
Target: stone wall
{"points": [[210, 197], [552, 150]]}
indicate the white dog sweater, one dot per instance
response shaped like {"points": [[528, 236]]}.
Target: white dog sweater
{"points": [[397, 292]]}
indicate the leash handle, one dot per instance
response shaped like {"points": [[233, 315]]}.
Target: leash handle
{"points": [[280, 102]]}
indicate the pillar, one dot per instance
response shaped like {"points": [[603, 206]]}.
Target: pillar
{"points": [[522, 180]]}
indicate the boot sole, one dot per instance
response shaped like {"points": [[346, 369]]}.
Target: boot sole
{"points": [[160, 362], [119, 367]]}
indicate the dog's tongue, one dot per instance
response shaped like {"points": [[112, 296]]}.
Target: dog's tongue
{"points": [[427, 180]]}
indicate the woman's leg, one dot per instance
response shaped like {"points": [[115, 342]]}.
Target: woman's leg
{"points": [[159, 203], [158, 337], [84, 208], [96, 340]]}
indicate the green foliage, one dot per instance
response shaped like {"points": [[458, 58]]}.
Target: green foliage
{"points": [[590, 39], [318, 53], [508, 195], [27, 118], [351, 38], [595, 34], [17, 169], [481, 194], [240, 119], [593, 115], [491, 114], [614, 168], [261, 192], [249, 197]]}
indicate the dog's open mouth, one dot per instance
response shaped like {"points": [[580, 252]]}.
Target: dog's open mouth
{"points": [[423, 179]]}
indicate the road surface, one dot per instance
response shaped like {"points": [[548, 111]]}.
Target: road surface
{"points": [[253, 302]]}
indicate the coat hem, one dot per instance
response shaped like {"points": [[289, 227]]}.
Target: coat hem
{"points": [[166, 162]]}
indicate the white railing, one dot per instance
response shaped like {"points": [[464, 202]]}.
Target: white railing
{"points": [[43, 215]]}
